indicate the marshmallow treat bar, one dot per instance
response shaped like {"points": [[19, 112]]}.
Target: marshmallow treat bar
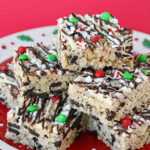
{"points": [[93, 41], [129, 133], [109, 94], [36, 68], [8, 86], [45, 123]]}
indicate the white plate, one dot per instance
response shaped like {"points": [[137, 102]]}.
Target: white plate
{"points": [[44, 34]]}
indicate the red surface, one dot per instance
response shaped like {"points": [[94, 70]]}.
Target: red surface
{"points": [[86, 141], [18, 15]]}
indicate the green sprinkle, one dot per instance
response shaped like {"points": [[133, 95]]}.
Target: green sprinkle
{"points": [[142, 58], [52, 57], [25, 38], [127, 75], [73, 20], [61, 118], [144, 71], [105, 16], [146, 43], [32, 108], [55, 32], [23, 57]]}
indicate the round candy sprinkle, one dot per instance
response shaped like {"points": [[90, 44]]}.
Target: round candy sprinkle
{"points": [[105, 16], [61, 118], [95, 38], [144, 71], [21, 50], [23, 57], [127, 75], [73, 20], [54, 99], [32, 108], [142, 58], [126, 121], [4, 68], [99, 73], [52, 57]]}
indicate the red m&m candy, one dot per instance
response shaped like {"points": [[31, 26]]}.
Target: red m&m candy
{"points": [[126, 121], [21, 50], [99, 73]]}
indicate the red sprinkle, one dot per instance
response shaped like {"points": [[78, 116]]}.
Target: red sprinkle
{"points": [[3, 47], [95, 38], [136, 39], [12, 43], [116, 31], [54, 99], [99, 73], [43, 34], [75, 31], [16, 90], [3, 68], [80, 40], [21, 50], [28, 120], [110, 29], [126, 121]]}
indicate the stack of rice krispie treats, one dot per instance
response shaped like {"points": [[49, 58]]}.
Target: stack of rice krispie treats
{"points": [[112, 85], [88, 78]]}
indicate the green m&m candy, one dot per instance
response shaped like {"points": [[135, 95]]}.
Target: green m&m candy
{"points": [[142, 58], [23, 57], [61, 118], [127, 76], [73, 20], [52, 57], [105, 16], [55, 32], [32, 108], [144, 71]]}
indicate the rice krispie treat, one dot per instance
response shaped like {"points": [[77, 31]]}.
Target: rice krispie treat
{"points": [[131, 132], [109, 94], [93, 41], [8, 86], [36, 68], [45, 123]]}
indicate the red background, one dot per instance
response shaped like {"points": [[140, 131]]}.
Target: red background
{"points": [[18, 15]]}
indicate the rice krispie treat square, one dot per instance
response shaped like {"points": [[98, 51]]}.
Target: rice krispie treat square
{"points": [[45, 123], [37, 69], [93, 41], [109, 94], [130, 132]]}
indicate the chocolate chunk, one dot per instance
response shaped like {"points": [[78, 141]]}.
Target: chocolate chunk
{"points": [[32, 131], [72, 59], [57, 144], [56, 84], [118, 54], [110, 115], [1, 99], [95, 118], [13, 130], [113, 139], [13, 125], [122, 104], [26, 83]]}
